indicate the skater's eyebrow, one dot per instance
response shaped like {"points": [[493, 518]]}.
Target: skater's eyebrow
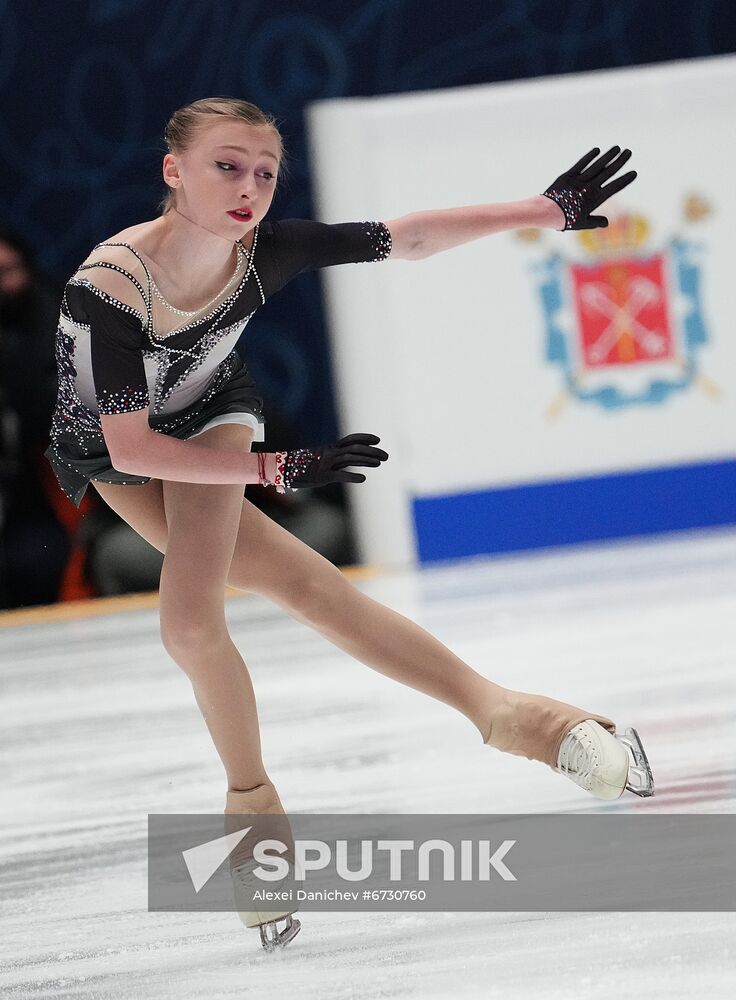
{"points": [[242, 149]]}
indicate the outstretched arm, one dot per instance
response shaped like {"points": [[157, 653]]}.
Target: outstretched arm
{"points": [[422, 234], [566, 204]]}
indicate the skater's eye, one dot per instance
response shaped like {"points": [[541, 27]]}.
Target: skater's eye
{"points": [[266, 173]]}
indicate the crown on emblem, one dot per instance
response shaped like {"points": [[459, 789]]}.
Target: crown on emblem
{"points": [[623, 233]]}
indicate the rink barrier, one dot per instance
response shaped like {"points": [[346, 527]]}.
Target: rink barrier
{"points": [[575, 511]]}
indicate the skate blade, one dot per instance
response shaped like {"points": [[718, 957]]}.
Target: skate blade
{"points": [[641, 780], [273, 938]]}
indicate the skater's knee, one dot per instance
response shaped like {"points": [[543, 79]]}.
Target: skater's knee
{"points": [[313, 596], [191, 638]]}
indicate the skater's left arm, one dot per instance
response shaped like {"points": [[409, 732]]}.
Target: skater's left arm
{"points": [[422, 234], [565, 204]]}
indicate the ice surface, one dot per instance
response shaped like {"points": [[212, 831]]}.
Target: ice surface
{"points": [[100, 728]]}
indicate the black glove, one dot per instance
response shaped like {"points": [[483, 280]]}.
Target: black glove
{"points": [[579, 191], [315, 467]]}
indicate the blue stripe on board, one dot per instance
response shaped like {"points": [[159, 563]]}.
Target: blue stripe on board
{"points": [[575, 510]]}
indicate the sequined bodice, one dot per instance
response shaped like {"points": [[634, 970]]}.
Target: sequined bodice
{"points": [[114, 358], [161, 324]]}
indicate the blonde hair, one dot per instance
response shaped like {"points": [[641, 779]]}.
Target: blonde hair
{"points": [[186, 124]]}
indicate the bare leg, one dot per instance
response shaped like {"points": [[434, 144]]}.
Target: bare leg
{"points": [[225, 696], [528, 725], [202, 526], [399, 648], [270, 561]]}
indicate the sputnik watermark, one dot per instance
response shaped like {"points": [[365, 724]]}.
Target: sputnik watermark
{"points": [[612, 861], [203, 860]]}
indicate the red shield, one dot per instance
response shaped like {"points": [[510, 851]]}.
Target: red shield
{"points": [[622, 311]]}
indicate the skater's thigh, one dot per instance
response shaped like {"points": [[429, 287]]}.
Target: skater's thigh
{"points": [[152, 507], [267, 559], [203, 520], [270, 561], [139, 505]]}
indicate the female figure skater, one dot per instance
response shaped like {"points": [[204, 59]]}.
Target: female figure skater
{"points": [[153, 395]]}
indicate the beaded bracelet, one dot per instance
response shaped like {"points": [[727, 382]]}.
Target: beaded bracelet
{"points": [[279, 477]]}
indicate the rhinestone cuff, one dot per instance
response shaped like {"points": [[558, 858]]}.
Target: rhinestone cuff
{"points": [[569, 200]]}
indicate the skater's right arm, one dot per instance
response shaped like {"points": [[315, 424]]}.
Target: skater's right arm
{"points": [[135, 448], [144, 452]]}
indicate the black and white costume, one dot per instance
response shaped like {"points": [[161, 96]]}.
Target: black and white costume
{"points": [[110, 359]]}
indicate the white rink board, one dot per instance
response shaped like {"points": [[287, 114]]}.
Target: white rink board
{"points": [[444, 357]]}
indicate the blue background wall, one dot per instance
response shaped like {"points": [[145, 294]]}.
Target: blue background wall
{"points": [[87, 87]]}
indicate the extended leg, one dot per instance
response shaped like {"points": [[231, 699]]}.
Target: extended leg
{"points": [[272, 562]]}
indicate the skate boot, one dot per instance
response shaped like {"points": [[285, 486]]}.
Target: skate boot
{"points": [[581, 745], [604, 764], [249, 809]]}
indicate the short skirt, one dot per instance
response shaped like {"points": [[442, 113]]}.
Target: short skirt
{"points": [[233, 398]]}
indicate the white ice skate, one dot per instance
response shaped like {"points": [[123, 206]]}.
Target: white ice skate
{"points": [[603, 764], [272, 937], [259, 809]]}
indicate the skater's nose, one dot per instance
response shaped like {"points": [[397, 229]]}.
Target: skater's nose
{"points": [[248, 187]]}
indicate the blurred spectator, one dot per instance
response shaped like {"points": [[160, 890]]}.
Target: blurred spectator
{"points": [[34, 544]]}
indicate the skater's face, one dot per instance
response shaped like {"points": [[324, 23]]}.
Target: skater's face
{"points": [[212, 180]]}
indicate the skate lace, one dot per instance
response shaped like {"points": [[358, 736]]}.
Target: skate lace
{"points": [[579, 763]]}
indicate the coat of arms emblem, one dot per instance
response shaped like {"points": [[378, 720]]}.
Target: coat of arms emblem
{"points": [[625, 323]]}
